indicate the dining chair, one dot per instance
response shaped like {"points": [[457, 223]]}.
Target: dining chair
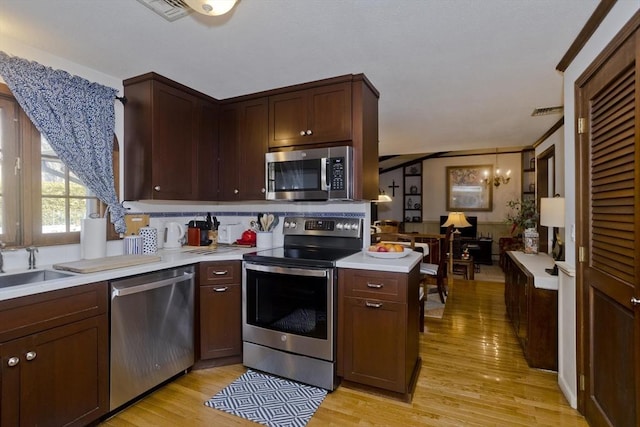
{"points": [[438, 270]]}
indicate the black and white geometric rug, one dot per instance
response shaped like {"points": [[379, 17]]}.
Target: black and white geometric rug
{"points": [[269, 400]]}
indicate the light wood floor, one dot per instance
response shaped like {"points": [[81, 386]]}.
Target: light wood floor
{"points": [[473, 374]]}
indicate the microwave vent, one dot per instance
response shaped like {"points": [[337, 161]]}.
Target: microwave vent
{"points": [[168, 9]]}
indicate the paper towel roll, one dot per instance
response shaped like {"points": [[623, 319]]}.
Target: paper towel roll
{"points": [[93, 238]]}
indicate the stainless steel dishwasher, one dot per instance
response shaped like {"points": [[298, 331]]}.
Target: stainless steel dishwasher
{"points": [[151, 331]]}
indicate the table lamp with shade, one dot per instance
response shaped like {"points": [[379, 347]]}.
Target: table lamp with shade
{"points": [[458, 220], [552, 215]]}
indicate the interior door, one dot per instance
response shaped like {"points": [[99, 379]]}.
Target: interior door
{"points": [[608, 191]]}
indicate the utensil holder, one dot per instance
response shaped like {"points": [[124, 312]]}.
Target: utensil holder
{"points": [[132, 245], [149, 240], [264, 239]]}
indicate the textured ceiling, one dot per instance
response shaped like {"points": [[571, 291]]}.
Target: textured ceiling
{"points": [[453, 75]]}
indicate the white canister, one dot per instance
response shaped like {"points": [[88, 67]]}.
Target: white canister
{"points": [[264, 239], [132, 245], [149, 240]]}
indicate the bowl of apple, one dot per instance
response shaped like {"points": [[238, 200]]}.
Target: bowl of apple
{"points": [[388, 250]]}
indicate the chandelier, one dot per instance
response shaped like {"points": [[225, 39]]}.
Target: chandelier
{"points": [[497, 179]]}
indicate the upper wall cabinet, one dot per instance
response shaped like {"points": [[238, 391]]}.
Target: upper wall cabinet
{"points": [[243, 144], [310, 116], [170, 141], [337, 111]]}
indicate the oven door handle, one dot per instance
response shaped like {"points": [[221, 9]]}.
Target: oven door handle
{"points": [[287, 270]]}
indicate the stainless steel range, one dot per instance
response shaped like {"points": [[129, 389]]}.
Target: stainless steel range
{"points": [[289, 299]]}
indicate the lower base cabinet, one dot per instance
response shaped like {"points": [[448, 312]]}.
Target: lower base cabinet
{"points": [[54, 353], [533, 313], [220, 312], [378, 331]]}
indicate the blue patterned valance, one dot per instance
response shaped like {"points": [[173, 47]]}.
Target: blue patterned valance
{"points": [[76, 117]]}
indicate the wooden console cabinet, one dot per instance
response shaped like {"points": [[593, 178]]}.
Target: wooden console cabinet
{"points": [[54, 354], [533, 311], [378, 331], [219, 310]]}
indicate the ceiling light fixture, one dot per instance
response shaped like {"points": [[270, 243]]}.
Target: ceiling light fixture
{"points": [[497, 178], [211, 7]]}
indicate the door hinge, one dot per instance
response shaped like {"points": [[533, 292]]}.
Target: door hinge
{"points": [[582, 124], [581, 254], [581, 382], [18, 166]]}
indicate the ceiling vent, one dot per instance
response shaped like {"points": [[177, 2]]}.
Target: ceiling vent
{"points": [[168, 9], [545, 111]]}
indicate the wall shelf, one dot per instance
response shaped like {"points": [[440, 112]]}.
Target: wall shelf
{"points": [[412, 193]]}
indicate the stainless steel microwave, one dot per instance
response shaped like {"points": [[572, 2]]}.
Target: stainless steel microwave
{"points": [[314, 174]]}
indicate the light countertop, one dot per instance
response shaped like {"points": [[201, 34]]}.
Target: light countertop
{"points": [[363, 261], [187, 256], [169, 259], [536, 265]]}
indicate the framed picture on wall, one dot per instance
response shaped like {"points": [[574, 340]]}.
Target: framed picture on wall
{"points": [[468, 188]]}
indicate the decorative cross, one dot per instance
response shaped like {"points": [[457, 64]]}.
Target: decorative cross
{"points": [[393, 187]]}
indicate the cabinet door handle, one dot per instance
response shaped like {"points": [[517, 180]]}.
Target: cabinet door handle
{"points": [[375, 285], [302, 133], [236, 191], [13, 361], [309, 132], [30, 355], [221, 273], [373, 304], [156, 188], [221, 289], [635, 301]]}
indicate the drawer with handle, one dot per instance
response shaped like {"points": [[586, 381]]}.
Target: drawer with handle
{"points": [[215, 272], [375, 284]]}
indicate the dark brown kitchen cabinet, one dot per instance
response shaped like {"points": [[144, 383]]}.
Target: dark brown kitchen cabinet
{"points": [[243, 144], [316, 115], [331, 112], [54, 358], [220, 313], [170, 132], [378, 329], [533, 313]]}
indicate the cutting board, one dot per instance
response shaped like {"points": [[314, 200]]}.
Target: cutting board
{"points": [[106, 263]]}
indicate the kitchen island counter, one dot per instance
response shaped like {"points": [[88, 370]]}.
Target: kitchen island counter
{"points": [[363, 261], [169, 259]]}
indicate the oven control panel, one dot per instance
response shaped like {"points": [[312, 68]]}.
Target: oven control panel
{"points": [[334, 227]]}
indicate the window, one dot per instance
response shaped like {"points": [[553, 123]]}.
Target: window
{"points": [[41, 201]]}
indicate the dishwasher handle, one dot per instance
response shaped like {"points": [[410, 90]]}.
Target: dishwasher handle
{"points": [[150, 286]]}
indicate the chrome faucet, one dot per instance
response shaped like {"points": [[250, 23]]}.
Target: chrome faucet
{"points": [[2, 245], [32, 256]]}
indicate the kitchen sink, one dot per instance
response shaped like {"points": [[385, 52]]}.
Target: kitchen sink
{"points": [[30, 277]]}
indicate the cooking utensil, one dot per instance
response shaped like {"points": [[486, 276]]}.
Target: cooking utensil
{"points": [[274, 223], [268, 222], [263, 222]]}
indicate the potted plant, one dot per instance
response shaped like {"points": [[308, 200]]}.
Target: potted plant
{"points": [[523, 215]]}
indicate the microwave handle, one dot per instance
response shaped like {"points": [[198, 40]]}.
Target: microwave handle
{"points": [[324, 184]]}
